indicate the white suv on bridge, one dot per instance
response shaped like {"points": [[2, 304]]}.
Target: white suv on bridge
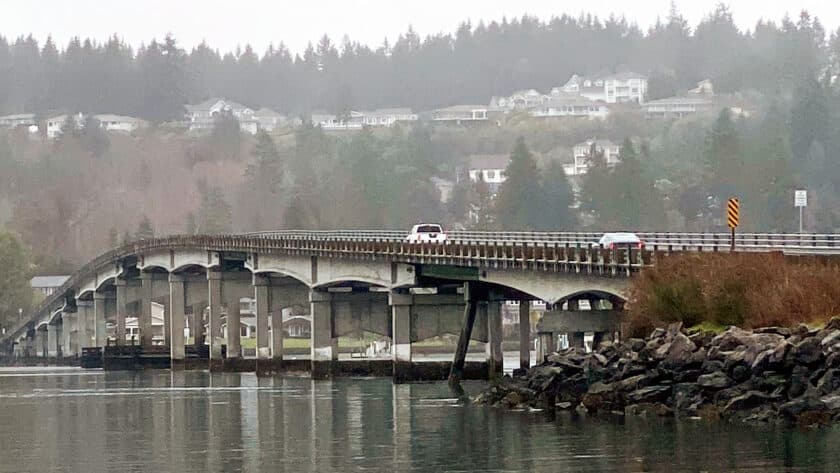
{"points": [[426, 233]]}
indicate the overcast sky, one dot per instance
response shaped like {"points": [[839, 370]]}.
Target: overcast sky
{"points": [[226, 24]]}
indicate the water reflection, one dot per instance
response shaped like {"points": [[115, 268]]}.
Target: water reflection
{"points": [[202, 422]]}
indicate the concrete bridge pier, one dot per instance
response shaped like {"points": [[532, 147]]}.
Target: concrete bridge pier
{"points": [[324, 345], [144, 321], [214, 303], [121, 286], [401, 303], [68, 345], [492, 309], [41, 342], [99, 319], [53, 345], [84, 310], [177, 323], [524, 334]]}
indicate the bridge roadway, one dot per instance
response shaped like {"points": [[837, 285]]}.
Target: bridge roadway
{"points": [[351, 281]]}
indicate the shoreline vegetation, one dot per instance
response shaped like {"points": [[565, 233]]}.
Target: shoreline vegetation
{"points": [[748, 290]]}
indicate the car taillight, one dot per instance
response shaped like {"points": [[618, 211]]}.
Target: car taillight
{"points": [[641, 244], [612, 246]]}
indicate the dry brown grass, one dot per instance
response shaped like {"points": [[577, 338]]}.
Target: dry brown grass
{"points": [[744, 289]]}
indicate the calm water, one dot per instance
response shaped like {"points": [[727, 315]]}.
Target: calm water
{"points": [[75, 421]]}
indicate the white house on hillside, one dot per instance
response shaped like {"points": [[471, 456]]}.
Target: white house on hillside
{"points": [[120, 123], [583, 151], [625, 87], [519, 100], [565, 104], [458, 114], [268, 120], [490, 168], [202, 116], [388, 116], [20, 119], [55, 124], [677, 107]]}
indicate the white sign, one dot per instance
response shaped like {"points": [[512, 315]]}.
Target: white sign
{"points": [[800, 198]]}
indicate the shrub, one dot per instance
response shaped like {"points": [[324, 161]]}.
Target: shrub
{"points": [[744, 289]]}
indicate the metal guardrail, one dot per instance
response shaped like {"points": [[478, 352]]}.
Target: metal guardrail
{"points": [[660, 240]]}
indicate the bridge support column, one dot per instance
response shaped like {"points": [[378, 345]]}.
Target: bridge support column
{"points": [[547, 345], [277, 333], [576, 339], [40, 343], [52, 341], [67, 345], [457, 371], [99, 321], [175, 307], [324, 346], [122, 309], [400, 303], [144, 321], [261, 303], [524, 334], [495, 356], [214, 303], [84, 309], [234, 345]]}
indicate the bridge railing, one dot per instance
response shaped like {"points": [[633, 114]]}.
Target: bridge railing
{"points": [[659, 240]]}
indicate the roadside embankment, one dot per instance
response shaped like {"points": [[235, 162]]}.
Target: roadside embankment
{"points": [[766, 375]]}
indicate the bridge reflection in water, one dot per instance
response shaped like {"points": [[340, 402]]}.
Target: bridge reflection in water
{"points": [[208, 422]]}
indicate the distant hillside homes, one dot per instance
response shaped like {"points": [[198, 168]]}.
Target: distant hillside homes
{"points": [[625, 87], [55, 124], [356, 120]]}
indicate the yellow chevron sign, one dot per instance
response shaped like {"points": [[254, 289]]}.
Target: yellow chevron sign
{"points": [[733, 212]]}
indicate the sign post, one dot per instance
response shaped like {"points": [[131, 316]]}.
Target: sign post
{"points": [[733, 218], [800, 200]]}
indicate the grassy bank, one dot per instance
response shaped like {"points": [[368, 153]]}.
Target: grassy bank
{"points": [[743, 289]]}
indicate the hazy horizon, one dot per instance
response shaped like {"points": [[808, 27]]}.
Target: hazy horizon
{"points": [[260, 23]]}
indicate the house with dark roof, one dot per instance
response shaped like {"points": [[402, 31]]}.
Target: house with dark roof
{"points": [[47, 285]]}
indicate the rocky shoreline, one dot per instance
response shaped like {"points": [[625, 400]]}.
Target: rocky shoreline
{"points": [[768, 375]]}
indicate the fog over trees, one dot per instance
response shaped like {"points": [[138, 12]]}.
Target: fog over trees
{"points": [[468, 66], [71, 198]]}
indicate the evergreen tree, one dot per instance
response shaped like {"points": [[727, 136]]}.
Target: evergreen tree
{"points": [[113, 237], [724, 159], [518, 202], [557, 200], [482, 214], [192, 226], [214, 215], [145, 231], [15, 291]]}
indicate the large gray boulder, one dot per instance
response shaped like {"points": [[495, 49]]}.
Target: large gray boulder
{"points": [[716, 380]]}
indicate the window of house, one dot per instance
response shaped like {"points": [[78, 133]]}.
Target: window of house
{"points": [[491, 174], [243, 330]]}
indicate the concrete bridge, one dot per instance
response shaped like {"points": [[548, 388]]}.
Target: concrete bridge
{"points": [[405, 292], [350, 282]]}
